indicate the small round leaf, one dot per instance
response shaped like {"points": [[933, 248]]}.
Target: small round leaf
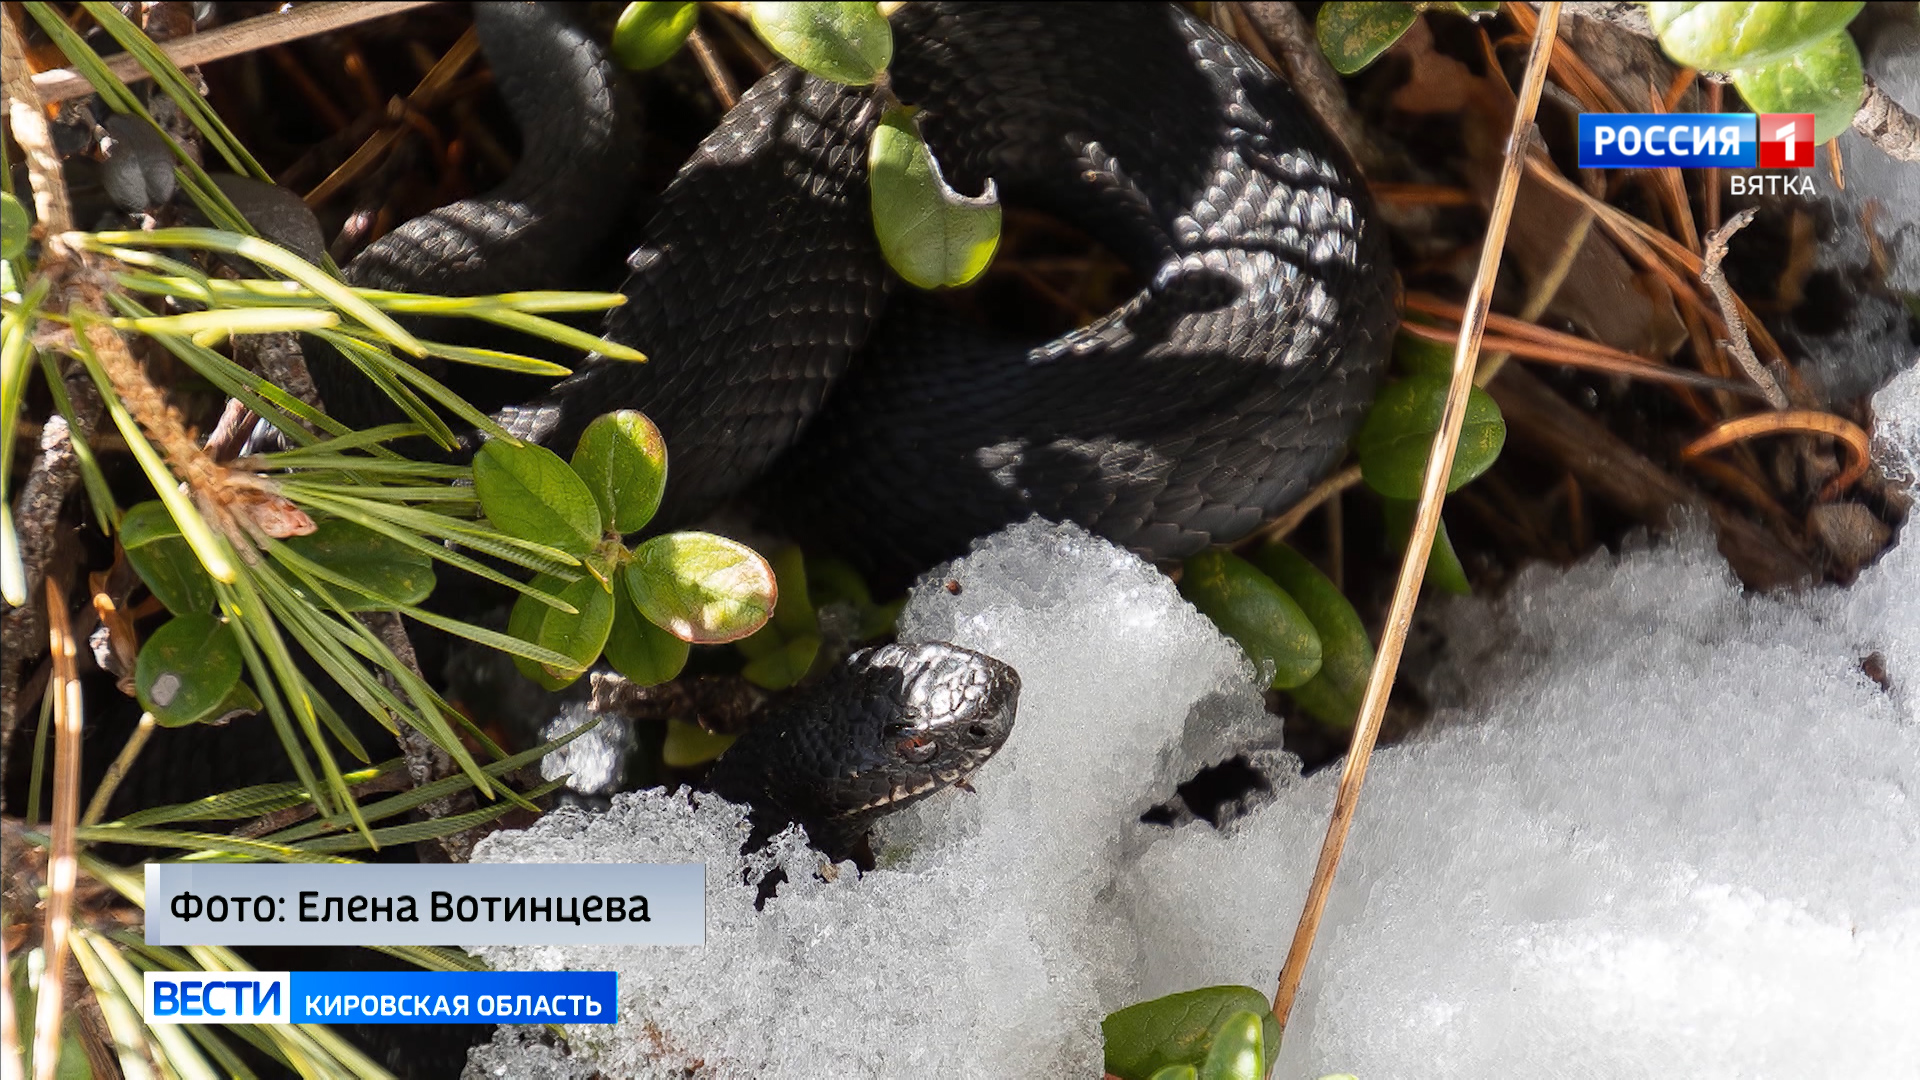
{"points": [[845, 42], [1721, 35], [187, 669], [1352, 35], [1236, 1053], [651, 31], [1823, 79], [623, 460], [702, 588], [1346, 653], [1394, 441], [1251, 609], [931, 234], [1178, 1029], [14, 225], [388, 574], [528, 492], [164, 560], [580, 636], [640, 650]]}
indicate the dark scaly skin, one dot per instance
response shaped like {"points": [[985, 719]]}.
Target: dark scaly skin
{"points": [[887, 727], [1206, 404], [1203, 405]]}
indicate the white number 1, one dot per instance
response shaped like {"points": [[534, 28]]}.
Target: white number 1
{"points": [[1785, 135]]}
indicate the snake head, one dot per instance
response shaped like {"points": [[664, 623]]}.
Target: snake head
{"points": [[954, 710], [887, 727]]}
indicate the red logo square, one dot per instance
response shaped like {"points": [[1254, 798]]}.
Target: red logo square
{"points": [[1786, 140]]}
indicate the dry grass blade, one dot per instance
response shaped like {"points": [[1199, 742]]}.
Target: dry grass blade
{"points": [[1793, 422], [256, 33], [61, 869], [1426, 520]]}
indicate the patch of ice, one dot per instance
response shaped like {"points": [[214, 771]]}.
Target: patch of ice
{"points": [[992, 940], [1658, 827]]}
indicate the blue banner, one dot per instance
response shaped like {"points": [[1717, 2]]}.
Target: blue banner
{"points": [[1668, 140], [454, 997]]}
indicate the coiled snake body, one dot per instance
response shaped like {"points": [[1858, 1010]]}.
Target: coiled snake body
{"points": [[877, 428]]}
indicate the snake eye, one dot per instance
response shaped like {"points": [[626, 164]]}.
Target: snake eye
{"points": [[978, 732], [917, 749]]}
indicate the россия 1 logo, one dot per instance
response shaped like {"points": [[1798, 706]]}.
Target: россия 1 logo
{"points": [[1696, 140]]}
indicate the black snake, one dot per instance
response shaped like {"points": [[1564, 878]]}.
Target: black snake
{"points": [[787, 369]]}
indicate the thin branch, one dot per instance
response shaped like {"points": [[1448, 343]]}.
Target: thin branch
{"points": [[241, 37], [1280, 527], [116, 772], [1426, 521], [1888, 126], [61, 868], [1716, 282], [717, 77]]}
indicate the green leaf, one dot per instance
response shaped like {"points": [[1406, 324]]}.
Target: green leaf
{"points": [[1444, 571], [1823, 79], [931, 234], [795, 616], [640, 650], [690, 745], [1237, 1053], [187, 669], [1394, 441], [14, 224], [781, 653], [831, 582], [1353, 35], [651, 31], [623, 460], [164, 559], [847, 43], [1419, 356], [785, 665], [702, 588], [387, 573], [1251, 609], [528, 492], [1346, 653], [1178, 1029], [579, 637], [1177, 1072], [1719, 36]]}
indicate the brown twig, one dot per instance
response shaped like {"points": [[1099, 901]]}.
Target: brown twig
{"points": [[61, 865], [1615, 473], [432, 86], [246, 36], [1280, 527], [718, 78], [1716, 283], [1886, 125], [57, 469], [1426, 520]]}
